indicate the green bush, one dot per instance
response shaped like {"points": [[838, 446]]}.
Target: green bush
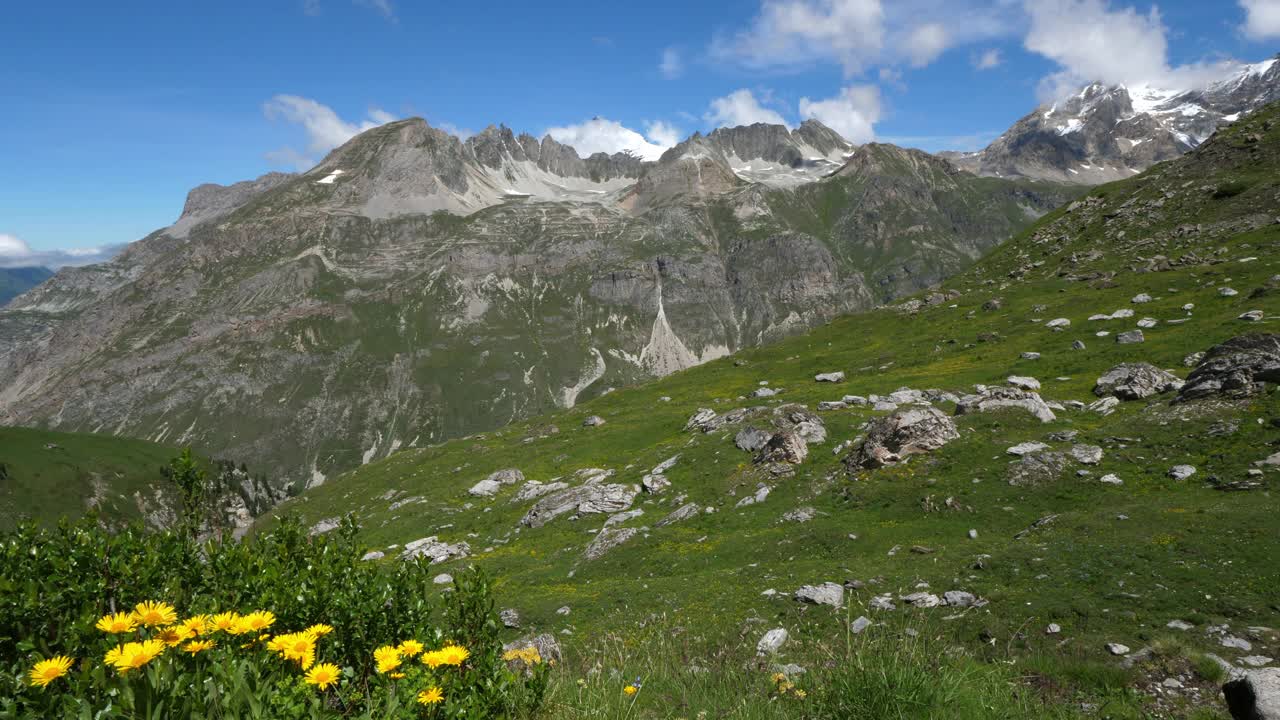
{"points": [[55, 585]]}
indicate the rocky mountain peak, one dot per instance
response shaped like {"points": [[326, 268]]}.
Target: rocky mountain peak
{"points": [[211, 201]]}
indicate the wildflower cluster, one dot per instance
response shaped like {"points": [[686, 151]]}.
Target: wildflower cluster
{"points": [[783, 687]]}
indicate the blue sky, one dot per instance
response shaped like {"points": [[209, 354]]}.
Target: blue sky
{"points": [[113, 111]]}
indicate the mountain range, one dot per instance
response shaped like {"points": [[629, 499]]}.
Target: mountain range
{"points": [[414, 287]]}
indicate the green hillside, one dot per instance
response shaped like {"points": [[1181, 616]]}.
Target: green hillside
{"points": [[1103, 562], [48, 475]]}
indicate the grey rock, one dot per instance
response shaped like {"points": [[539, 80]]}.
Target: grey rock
{"points": [[485, 488], [1228, 292], [921, 600], [655, 484], [959, 598], [1036, 468], [1030, 356], [1023, 383], [1230, 641], [546, 645], [882, 602], [1135, 381], [827, 593], [373, 555], [761, 493], [830, 377], [608, 539], [1130, 337], [1058, 323], [1141, 298], [593, 421], [1053, 629], [853, 400], [1024, 448], [894, 438], [1254, 695], [510, 618], [800, 515], [1086, 454], [1193, 359], [1105, 406], [563, 610], [860, 624], [763, 392], [324, 526], [1251, 316], [1256, 660], [619, 518], [1117, 649], [784, 447], [832, 405], [684, 512], [1236, 368], [1179, 625], [443, 579], [434, 550], [584, 500], [1077, 345], [772, 641], [1182, 472], [1000, 398], [665, 465], [1111, 479], [751, 439], [533, 490]]}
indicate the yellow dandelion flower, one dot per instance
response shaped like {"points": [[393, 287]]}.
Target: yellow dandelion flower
{"points": [[225, 622], [453, 655], [411, 648], [323, 675], [430, 696], [319, 630], [154, 614], [46, 671], [299, 647], [134, 655], [388, 664], [117, 624], [801, 694], [630, 690], [778, 678], [198, 646], [432, 659]]}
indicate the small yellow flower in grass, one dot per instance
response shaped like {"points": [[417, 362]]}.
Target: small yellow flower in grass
{"points": [[528, 655], [154, 614], [801, 694], [117, 624], [410, 648], [630, 690], [430, 696], [198, 646], [46, 671], [225, 622], [319, 630], [323, 675], [134, 655], [453, 655]]}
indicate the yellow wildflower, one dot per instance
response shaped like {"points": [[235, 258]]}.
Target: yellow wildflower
{"points": [[323, 675], [153, 614], [257, 621], [46, 671], [453, 655], [387, 657], [630, 690], [528, 655], [225, 622], [410, 648], [396, 676], [319, 630], [430, 696], [299, 647], [801, 694], [134, 655], [432, 659], [174, 635], [117, 623], [197, 625], [198, 646]]}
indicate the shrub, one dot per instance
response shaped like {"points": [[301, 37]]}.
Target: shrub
{"points": [[282, 626]]}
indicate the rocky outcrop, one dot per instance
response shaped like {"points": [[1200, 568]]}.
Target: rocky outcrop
{"points": [[1254, 695], [584, 500], [988, 399], [1236, 368], [1135, 381], [894, 438], [434, 550], [608, 539]]}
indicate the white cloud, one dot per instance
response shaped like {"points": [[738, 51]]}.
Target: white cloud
{"points": [[454, 130], [858, 34], [384, 7], [1262, 19], [925, 43], [672, 65], [663, 133], [987, 59], [609, 136], [1094, 42], [740, 107], [325, 130], [853, 113], [15, 252]]}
